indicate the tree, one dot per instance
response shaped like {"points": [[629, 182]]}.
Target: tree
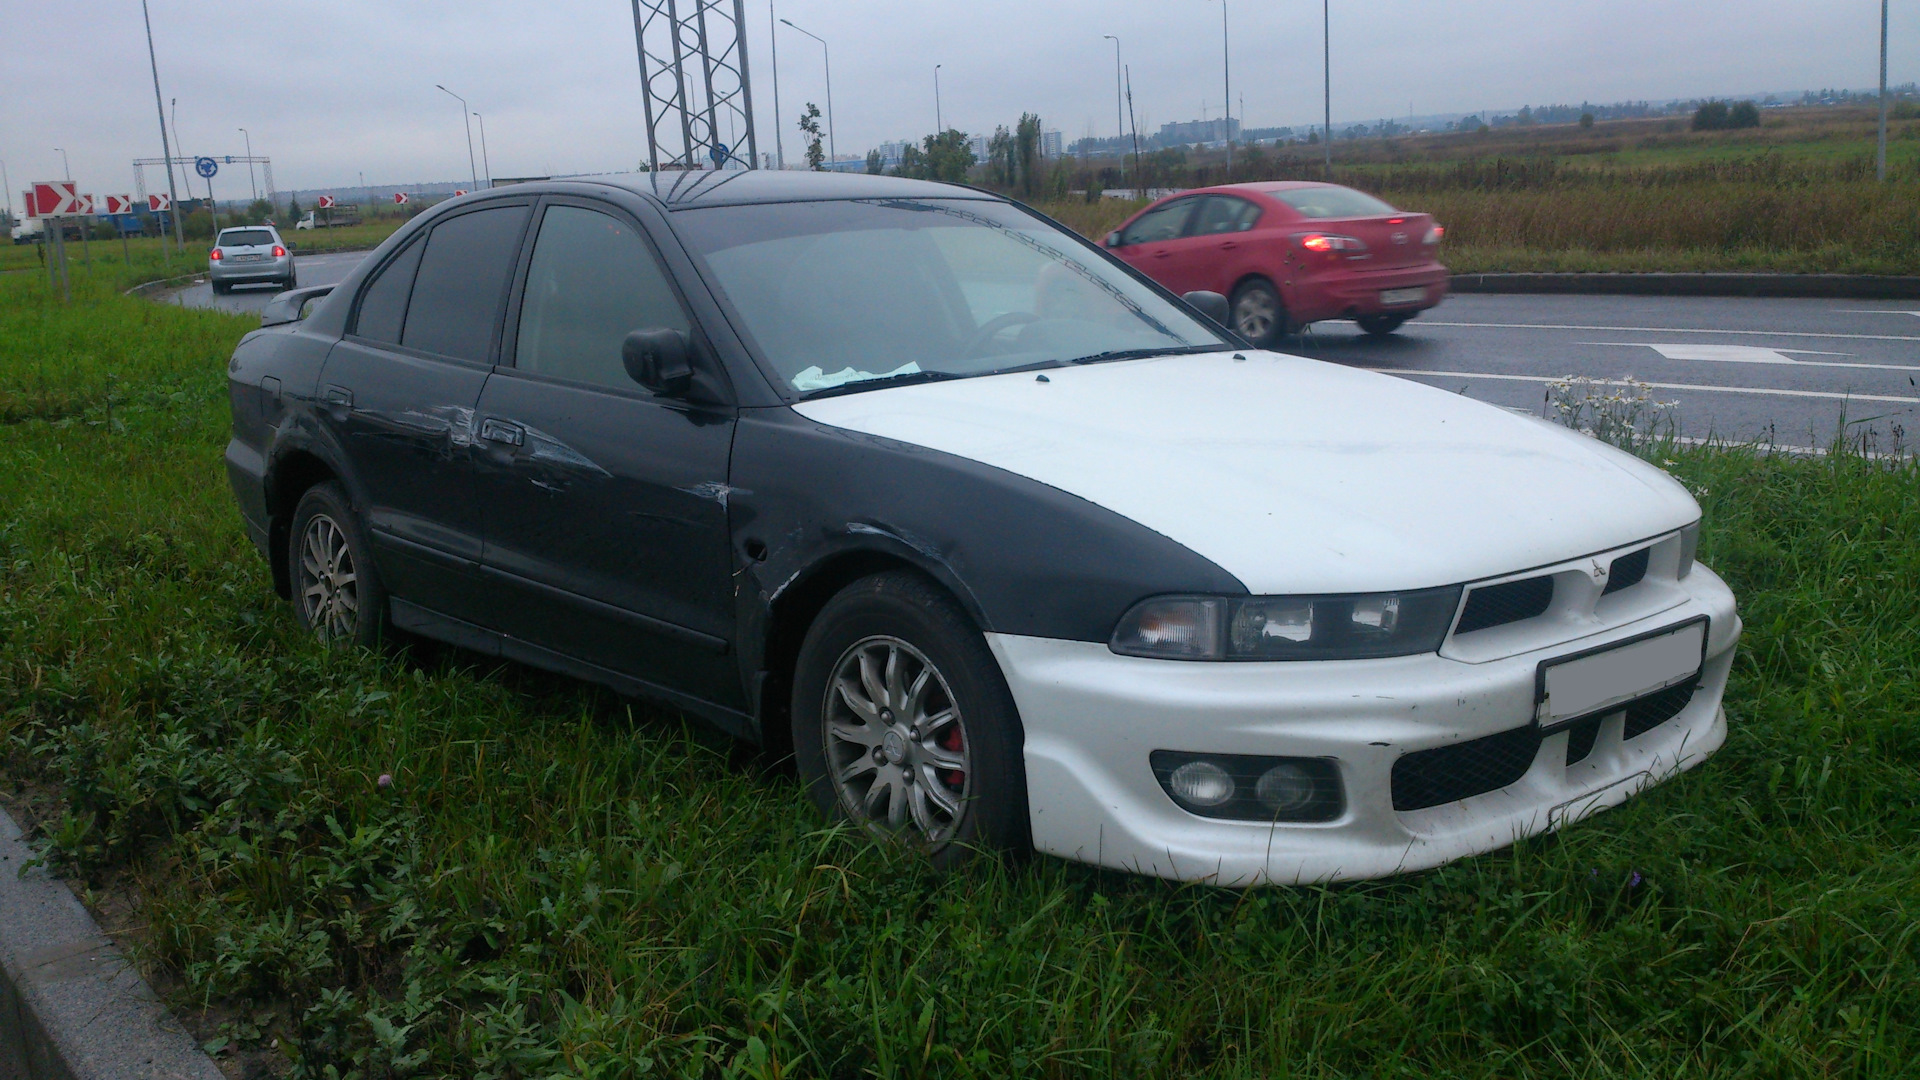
{"points": [[1711, 116], [1744, 114], [1586, 119], [810, 127], [1026, 151], [1000, 158], [293, 208], [874, 165], [948, 156]]}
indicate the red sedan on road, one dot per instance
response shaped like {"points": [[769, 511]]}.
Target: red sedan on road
{"points": [[1288, 253]]}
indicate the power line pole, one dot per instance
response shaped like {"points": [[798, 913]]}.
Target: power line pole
{"points": [[1880, 170], [1226, 73], [252, 189], [779, 141], [486, 163], [1119, 113]]}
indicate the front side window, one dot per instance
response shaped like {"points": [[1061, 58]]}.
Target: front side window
{"points": [[1161, 223], [462, 283], [592, 282], [848, 292], [383, 305]]}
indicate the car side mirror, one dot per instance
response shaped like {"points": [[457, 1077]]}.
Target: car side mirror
{"points": [[1112, 240], [1211, 304], [660, 360]]}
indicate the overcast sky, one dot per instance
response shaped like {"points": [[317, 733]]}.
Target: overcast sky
{"points": [[335, 89]]}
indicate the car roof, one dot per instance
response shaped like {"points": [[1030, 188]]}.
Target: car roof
{"points": [[688, 190]]}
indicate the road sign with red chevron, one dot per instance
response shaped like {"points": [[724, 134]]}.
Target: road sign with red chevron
{"points": [[118, 204], [56, 198], [159, 204], [399, 197], [324, 202]]}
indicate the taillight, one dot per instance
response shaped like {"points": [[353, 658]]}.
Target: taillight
{"points": [[279, 252], [215, 255], [1332, 244], [1433, 236]]}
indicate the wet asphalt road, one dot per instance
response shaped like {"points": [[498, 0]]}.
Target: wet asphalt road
{"points": [[1794, 372], [311, 270]]}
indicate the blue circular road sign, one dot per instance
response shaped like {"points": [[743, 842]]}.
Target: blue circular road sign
{"points": [[718, 153], [206, 167]]}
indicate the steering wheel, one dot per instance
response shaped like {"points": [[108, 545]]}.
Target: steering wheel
{"points": [[985, 335]]}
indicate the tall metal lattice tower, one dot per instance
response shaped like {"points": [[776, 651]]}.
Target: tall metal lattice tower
{"points": [[696, 88]]}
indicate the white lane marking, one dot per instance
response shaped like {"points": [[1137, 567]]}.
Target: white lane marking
{"points": [[1666, 330], [1657, 385], [1750, 354], [1874, 311]]}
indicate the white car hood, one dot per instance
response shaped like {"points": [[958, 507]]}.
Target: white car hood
{"points": [[1294, 475]]}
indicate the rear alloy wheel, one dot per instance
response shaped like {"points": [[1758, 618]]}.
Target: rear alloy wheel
{"points": [[1381, 325], [1258, 314], [220, 288], [903, 724], [336, 592]]}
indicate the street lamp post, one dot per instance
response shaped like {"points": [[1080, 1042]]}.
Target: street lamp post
{"points": [[1880, 169], [252, 188], [1119, 113], [779, 141], [833, 153], [64, 167], [939, 125], [166, 151], [1326, 71], [1226, 75], [468, 121], [485, 163]]}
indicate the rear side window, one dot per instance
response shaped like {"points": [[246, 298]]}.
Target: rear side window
{"points": [[1161, 223], [383, 306], [1225, 214], [593, 281], [462, 283], [245, 238], [1333, 202]]}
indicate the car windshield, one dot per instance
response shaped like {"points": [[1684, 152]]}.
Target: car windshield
{"points": [[836, 294], [1333, 202], [246, 238]]}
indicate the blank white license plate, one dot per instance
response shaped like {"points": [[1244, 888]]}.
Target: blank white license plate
{"points": [[246, 258], [1402, 296], [1591, 683]]}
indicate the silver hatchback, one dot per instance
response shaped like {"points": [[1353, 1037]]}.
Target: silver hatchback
{"points": [[250, 255]]}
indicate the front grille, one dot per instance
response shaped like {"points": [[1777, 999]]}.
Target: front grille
{"points": [[1507, 602], [1449, 773], [1627, 571], [1655, 709]]}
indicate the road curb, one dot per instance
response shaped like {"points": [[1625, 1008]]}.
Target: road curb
{"points": [[1820, 286], [71, 1006]]}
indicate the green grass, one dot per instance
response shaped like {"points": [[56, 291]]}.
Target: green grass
{"points": [[362, 237], [562, 883]]}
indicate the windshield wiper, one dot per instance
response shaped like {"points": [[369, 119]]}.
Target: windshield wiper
{"points": [[1141, 354], [854, 386]]}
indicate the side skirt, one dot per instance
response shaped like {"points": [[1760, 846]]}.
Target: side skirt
{"points": [[416, 619]]}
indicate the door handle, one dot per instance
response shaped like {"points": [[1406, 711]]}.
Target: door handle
{"points": [[1229, 245], [339, 395], [502, 432], [1161, 254]]}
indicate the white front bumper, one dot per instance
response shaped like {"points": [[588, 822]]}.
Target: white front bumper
{"points": [[1092, 718]]}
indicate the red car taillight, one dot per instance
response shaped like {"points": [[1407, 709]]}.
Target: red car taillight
{"points": [[279, 252], [215, 255], [1433, 236], [1334, 244]]}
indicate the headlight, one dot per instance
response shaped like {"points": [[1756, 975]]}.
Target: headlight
{"points": [[1689, 547], [1287, 627]]}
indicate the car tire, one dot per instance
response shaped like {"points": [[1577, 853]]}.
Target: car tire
{"points": [[220, 288], [291, 281], [1381, 325], [1258, 314], [337, 595], [929, 755]]}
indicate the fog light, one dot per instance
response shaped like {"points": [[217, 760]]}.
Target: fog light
{"points": [[1246, 788], [1201, 783], [1285, 788]]}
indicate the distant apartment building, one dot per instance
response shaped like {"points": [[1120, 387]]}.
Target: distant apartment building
{"points": [[1052, 144], [1199, 131]]}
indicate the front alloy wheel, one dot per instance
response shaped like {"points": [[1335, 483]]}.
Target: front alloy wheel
{"points": [[1258, 314], [896, 744]]}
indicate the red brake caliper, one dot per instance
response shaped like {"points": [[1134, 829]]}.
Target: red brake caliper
{"points": [[950, 741]]}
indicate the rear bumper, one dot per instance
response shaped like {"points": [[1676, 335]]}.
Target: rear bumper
{"points": [[1347, 293], [228, 273]]}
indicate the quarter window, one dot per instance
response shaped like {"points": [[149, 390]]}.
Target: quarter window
{"points": [[1162, 223], [462, 283], [593, 281], [383, 306]]}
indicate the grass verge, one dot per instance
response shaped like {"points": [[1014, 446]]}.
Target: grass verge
{"points": [[556, 882]]}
